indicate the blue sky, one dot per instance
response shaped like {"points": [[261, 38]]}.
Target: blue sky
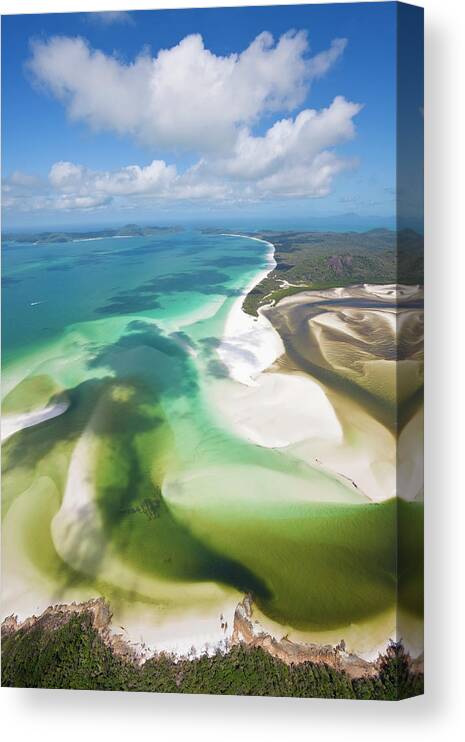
{"points": [[305, 125]]}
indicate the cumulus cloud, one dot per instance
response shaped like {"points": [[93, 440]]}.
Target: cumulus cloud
{"points": [[304, 180], [290, 142], [53, 202], [22, 180], [131, 180], [83, 203], [70, 186], [20, 188], [185, 98], [65, 175], [294, 158], [321, 63]]}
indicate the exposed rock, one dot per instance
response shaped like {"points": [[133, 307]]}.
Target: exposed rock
{"points": [[247, 632], [58, 615]]}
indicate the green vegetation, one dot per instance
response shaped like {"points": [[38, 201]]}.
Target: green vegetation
{"points": [[129, 230], [320, 260], [75, 656]]}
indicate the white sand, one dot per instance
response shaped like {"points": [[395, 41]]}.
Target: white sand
{"points": [[112, 237], [367, 639], [337, 321], [189, 633], [365, 457], [269, 409], [386, 293], [280, 409], [293, 411], [249, 344], [179, 617], [13, 423], [394, 291], [26, 588]]}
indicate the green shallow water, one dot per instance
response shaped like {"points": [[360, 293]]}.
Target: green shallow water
{"points": [[126, 332]]}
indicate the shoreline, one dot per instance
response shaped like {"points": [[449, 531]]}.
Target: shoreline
{"points": [[194, 627], [12, 424], [318, 425], [248, 347], [249, 344], [246, 632]]}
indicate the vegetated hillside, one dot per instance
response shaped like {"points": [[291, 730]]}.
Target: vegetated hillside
{"points": [[129, 230], [74, 655], [312, 260]]}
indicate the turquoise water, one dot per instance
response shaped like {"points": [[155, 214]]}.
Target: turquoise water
{"points": [[47, 288], [138, 489]]}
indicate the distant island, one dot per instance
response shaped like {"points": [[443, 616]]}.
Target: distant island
{"points": [[128, 230]]}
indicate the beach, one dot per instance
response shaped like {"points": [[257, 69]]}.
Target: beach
{"points": [[13, 423], [277, 407], [249, 345], [194, 456]]}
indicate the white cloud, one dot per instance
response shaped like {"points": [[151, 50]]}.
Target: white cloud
{"points": [[322, 62], [83, 203], [188, 99], [54, 202], [96, 89], [304, 180], [185, 98], [295, 158], [290, 142], [23, 180], [132, 180], [65, 175]]}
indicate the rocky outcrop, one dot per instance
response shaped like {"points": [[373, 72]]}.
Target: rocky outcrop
{"points": [[247, 631], [58, 615]]}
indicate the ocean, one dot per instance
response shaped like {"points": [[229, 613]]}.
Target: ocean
{"points": [[133, 485]]}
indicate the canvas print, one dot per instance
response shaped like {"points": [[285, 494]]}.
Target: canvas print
{"points": [[212, 351]]}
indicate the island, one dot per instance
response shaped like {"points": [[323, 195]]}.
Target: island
{"points": [[128, 230]]}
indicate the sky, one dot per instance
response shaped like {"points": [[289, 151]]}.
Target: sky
{"points": [[208, 113]]}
